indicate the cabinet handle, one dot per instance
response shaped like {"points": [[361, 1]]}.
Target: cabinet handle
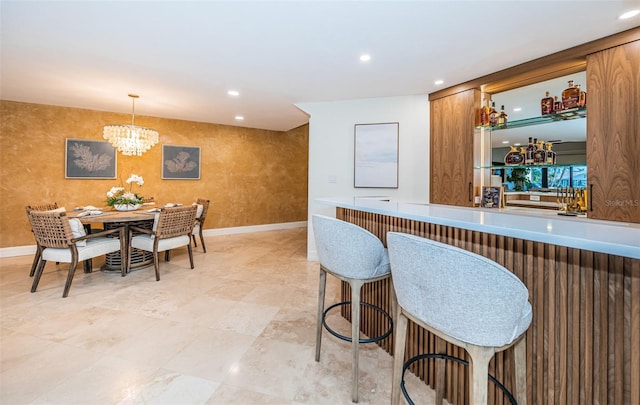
{"points": [[470, 192], [591, 197]]}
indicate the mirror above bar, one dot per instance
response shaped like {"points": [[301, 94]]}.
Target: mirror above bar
{"points": [[558, 136]]}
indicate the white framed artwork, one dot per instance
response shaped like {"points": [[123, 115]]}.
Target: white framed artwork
{"points": [[376, 155]]}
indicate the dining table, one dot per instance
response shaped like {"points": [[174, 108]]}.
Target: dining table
{"points": [[109, 218]]}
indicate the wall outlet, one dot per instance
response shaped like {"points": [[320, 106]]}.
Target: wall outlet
{"points": [[332, 179]]}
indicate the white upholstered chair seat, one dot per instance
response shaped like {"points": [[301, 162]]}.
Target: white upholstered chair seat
{"points": [[145, 242], [61, 239], [172, 229], [93, 248]]}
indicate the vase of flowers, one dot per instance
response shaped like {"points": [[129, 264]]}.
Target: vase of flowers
{"points": [[123, 200]]}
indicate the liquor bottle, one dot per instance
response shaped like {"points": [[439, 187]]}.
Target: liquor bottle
{"points": [[523, 154], [484, 114], [570, 96], [546, 104], [557, 105], [502, 118], [540, 155], [582, 101], [514, 157], [493, 115], [551, 155], [531, 149]]}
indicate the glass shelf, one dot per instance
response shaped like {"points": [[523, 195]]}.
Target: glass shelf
{"points": [[572, 114], [529, 166]]}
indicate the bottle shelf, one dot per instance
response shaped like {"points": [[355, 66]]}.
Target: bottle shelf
{"points": [[571, 114], [529, 166]]}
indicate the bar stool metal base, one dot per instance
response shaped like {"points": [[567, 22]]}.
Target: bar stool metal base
{"points": [[412, 360], [349, 338]]}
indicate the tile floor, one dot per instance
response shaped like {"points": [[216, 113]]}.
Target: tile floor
{"points": [[238, 329]]}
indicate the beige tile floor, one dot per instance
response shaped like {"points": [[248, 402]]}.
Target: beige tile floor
{"points": [[238, 329]]}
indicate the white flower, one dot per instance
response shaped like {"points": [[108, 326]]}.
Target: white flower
{"points": [[114, 191], [129, 196], [135, 178]]}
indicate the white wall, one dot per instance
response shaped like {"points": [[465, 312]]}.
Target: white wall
{"points": [[331, 149]]}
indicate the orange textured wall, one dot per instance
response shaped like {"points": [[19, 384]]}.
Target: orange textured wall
{"points": [[251, 176]]}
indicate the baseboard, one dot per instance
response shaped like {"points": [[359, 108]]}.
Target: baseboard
{"points": [[31, 249], [27, 250], [253, 228]]}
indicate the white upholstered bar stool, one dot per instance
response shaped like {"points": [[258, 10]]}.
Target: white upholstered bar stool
{"points": [[463, 298], [356, 256]]}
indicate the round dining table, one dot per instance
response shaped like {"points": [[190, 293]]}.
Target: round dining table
{"points": [[111, 219]]}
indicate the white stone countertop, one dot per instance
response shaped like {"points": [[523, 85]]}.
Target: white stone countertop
{"points": [[616, 238]]}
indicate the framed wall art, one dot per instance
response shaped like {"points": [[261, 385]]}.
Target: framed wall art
{"points": [[376, 155], [492, 197], [85, 159], [180, 162]]}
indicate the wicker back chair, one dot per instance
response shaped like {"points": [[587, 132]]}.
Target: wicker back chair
{"points": [[197, 229], [58, 240], [42, 207], [38, 207], [172, 229]]}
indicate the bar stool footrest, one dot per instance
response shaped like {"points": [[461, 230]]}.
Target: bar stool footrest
{"points": [[349, 338], [412, 360]]}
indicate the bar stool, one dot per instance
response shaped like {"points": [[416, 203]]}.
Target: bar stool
{"points": [[463, 298], [356, 256]]}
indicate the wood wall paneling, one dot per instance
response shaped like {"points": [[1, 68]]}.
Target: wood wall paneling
{"points": [[451, 154], [583, 346], [613, 133]]}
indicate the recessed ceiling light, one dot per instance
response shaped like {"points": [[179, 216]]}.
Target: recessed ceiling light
{"points": [[516, 109], [239, 117], [505, 141], [438, 82], [365, 58], [517, 144], [233, 93], [629, 14]]}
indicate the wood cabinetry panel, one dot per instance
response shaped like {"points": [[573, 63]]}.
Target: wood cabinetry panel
{"points": [[451, 154], [613, 133], [583, 345]]}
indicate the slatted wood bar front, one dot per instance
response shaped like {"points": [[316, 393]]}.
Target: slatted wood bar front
{"points": [[583, 346]]}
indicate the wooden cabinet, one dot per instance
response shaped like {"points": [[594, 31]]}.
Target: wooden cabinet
{"points": [[451, 155], [613, 133]]}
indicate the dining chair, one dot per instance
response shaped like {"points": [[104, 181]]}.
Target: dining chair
{"points": [[171, 229], [464, 299], [65, 240], [201, 214], [38, 207]]}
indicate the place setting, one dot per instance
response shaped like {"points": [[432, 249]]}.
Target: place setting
{"points": [[88, 210]]}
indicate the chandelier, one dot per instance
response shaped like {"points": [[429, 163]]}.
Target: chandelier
{"points": [[130, 140]]}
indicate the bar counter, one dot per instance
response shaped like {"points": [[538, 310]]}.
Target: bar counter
{"points": [[583, 276]]}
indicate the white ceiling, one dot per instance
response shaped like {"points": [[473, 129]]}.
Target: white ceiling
{"points": [[181, 57]]}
